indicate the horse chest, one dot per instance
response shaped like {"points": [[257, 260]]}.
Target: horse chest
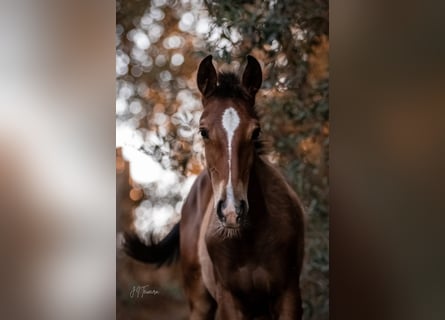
{"points": [[246, 274], [249, 278], [259, 270]]}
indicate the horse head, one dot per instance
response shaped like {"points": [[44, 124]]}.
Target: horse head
{"points": [[230, 128]]}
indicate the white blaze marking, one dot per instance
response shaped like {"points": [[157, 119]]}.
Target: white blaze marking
{"points": [[230, 122]]}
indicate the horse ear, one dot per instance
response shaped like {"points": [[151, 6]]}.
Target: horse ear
{"points": [[252, 76], [207, 77]]}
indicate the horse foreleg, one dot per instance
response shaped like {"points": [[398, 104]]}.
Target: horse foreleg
{"points": [[289, 306], [228, 307], [202, 306]]}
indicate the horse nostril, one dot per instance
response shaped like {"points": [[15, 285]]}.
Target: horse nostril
{"points": [[242, 208], [219, 208]]}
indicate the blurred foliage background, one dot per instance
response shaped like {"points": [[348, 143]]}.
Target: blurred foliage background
{"points": [[159, 45]]}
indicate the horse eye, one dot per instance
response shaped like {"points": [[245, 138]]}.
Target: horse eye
{"points": [[256, 134], [204, 133]]}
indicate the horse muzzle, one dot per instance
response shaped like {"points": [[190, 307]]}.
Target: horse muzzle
{"points": [[232, 215]]}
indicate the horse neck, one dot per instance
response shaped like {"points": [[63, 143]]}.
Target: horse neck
{"points": [[268, 192], [256, 192]]}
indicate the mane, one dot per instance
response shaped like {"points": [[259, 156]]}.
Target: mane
{"points": [[229, 86]]}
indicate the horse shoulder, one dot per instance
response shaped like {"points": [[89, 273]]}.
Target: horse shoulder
{"points": [[192, 214], [205, 261]]}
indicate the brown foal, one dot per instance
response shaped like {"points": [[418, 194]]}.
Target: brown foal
{"points": [[241, 234]]}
